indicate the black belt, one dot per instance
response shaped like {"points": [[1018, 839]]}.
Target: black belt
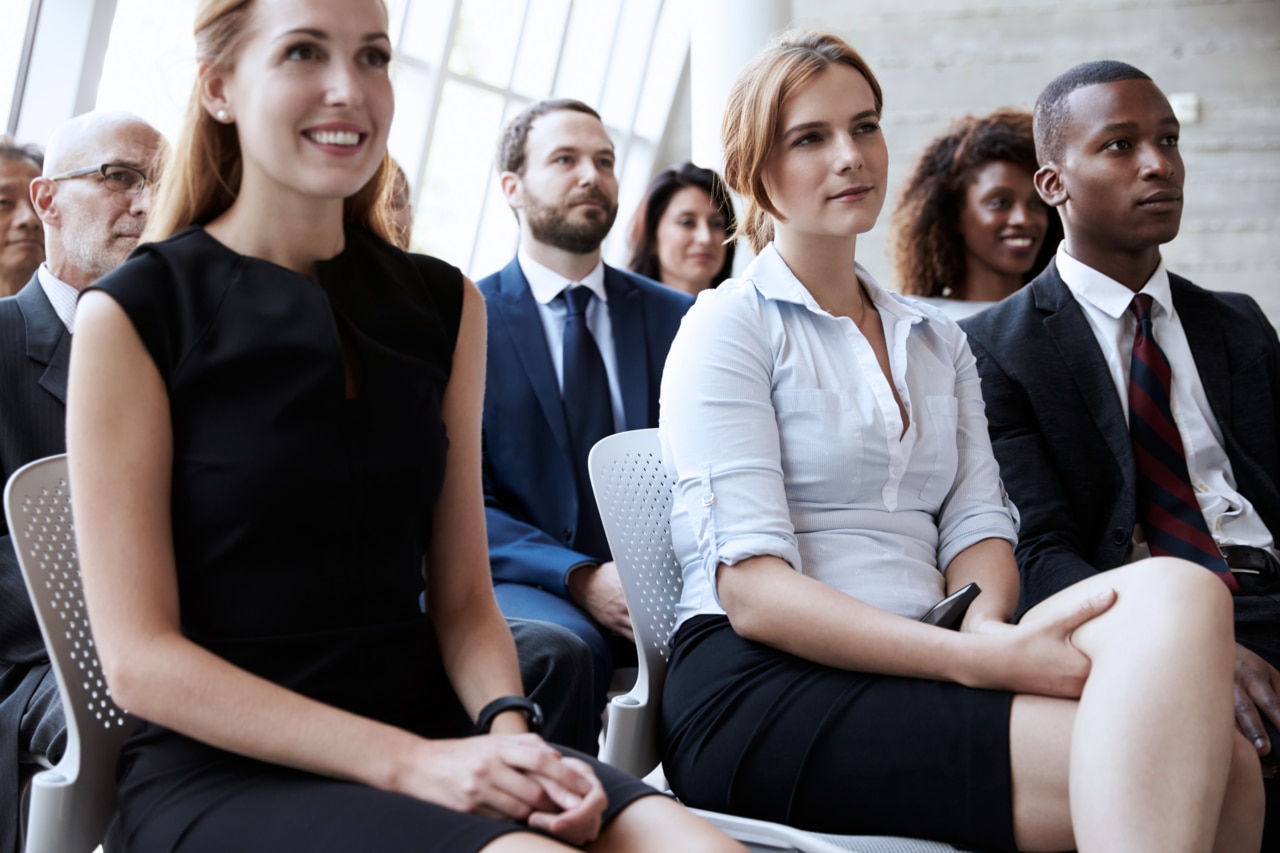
{"points": [[1256, 569]]}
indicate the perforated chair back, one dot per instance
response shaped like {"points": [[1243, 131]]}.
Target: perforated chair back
{"points": [[72, 803], [633, 491]]}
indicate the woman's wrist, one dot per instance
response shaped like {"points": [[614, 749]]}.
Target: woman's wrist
{"points": [[510, 722], [978, 658], [397, 759]]}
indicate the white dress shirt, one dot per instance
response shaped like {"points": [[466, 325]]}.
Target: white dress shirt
{"points": [[62, 296], [546, 285], [1231, 519], [785, 439]]}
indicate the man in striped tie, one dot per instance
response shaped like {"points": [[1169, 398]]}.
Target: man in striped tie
{"points": [[1133, 413]]}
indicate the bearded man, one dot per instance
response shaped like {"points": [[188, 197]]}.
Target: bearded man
{"points": [[576, 351]]}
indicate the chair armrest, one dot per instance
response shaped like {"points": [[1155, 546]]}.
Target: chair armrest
{"points": [[631, 737]]}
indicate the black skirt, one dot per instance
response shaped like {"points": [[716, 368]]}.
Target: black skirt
{"points": [[203, 800], [753, 731]]}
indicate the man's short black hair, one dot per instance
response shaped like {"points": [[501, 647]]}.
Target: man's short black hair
{"points": [[11, 150], [1051, 114]]}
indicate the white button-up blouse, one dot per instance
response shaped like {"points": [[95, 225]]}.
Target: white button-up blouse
{"points": [[785, 439]]}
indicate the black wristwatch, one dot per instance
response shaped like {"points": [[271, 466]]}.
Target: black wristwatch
{"points": [[532, 713]]}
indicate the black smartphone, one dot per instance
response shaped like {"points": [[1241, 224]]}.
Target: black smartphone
{"points": [[949, 612]]}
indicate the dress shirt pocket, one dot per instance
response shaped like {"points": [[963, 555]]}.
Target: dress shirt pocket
{"points": [[938, 437], [822, 444]]}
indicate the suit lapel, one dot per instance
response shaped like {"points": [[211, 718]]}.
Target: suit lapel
{"points": [[626, 317], [516, 311], [1067, 326], [48, 341], [1197, 313]]}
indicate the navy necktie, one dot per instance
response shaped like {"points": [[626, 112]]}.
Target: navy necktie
{"points": [[1167, 505], [588, 409]]}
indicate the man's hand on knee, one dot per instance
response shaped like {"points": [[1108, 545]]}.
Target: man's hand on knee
{"points": [[1257, 694]]}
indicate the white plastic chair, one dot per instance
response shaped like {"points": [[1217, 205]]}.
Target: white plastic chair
{"points": [[633, 491], [72, 803]]}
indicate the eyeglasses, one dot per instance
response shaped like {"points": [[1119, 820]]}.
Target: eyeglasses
{"points": [[125, 182]]}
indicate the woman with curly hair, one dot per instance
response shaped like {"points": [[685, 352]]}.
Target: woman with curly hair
{"points": [[970, 228]]}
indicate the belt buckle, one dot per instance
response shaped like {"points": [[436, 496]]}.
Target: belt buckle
{"points": [[1255, 569]]}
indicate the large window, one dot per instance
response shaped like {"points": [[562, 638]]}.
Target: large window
{"points": [[13, 36], [462, 69], [466, 66]]}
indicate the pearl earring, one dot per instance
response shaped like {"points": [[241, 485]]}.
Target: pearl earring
{"points": [[222, 116]]}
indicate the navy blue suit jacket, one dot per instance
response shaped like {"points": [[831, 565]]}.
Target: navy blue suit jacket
{"points": [[531, 503], [1061, 437]]}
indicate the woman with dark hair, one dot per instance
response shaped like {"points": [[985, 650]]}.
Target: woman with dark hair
{"points": [[834, 480], [679, 234], [274, 444], [970, 228]]}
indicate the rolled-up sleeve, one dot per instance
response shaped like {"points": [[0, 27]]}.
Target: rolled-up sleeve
{"points": [[719, 437], [977, 507]]}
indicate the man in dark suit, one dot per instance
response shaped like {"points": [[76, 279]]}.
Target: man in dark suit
{"points": [[93, 198], [1058, 358], [555, 386]]}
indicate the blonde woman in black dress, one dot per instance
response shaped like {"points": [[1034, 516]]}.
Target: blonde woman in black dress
{"points": [[276, 421]]}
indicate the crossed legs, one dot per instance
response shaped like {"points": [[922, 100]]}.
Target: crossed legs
{"points": [[1148, 758]]}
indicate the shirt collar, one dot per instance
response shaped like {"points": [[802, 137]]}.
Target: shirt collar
{"points": [[1106, 294], [61, 295], [773, 279], [546, 284]]}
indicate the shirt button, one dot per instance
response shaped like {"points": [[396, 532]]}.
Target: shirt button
{"points": [[567, 534], [1119, 536]]}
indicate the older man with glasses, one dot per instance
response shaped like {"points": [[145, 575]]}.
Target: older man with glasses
{"points": [[93, 199]]}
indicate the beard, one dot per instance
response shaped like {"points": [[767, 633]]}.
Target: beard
{"points": [[550, 223], [99, 258]]}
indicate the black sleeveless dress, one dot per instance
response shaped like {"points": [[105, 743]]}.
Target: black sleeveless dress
{"points": [[300, 521]]}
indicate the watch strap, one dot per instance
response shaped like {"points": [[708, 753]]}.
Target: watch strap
{"points": [[532, 713]]}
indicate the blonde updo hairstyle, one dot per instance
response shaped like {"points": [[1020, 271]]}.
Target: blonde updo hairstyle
{"points": [[203, 173], [753, 116]]}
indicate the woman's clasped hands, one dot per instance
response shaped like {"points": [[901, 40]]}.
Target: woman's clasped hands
{"points": [[513, 777]]}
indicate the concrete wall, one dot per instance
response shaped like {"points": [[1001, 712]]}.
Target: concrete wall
{"points": [[941, 58]]}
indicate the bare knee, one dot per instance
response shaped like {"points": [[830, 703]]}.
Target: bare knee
{"points": [[1164, 606], [660, 823], [1173, 587]]}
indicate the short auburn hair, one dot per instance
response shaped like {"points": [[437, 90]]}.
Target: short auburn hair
{"points": [[753, 116]]}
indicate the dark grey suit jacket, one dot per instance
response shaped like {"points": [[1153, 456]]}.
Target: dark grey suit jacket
{"points": [[1062, 439], [35, 349]]}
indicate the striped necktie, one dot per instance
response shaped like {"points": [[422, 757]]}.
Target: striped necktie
{"points": [[1167, 506], [588, 409]]}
